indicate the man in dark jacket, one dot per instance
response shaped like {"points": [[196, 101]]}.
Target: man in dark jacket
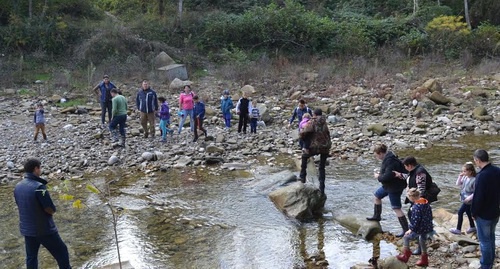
{"points": [[35, 217], [147, 104], [392, 186], [103, 91], [318, 134], [486, 206]]}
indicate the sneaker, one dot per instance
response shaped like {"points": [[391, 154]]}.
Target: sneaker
{"points": [[471, 230], [455, 231]]}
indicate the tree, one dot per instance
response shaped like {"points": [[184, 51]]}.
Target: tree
{"points": [[180, 10], [466, 11]]}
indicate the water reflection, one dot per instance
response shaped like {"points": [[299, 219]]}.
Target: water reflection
{"points": [[317, 259]]}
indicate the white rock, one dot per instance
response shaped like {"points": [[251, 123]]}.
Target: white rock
{"points": [[68, 127], [113, 160]]}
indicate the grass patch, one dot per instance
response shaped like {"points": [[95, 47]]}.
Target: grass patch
{"points": [[72, 103], [42, 77], [27, 92]]}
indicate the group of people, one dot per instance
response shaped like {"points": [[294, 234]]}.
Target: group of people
{"points": [[480, 197], [150, 106], [480, 193]]}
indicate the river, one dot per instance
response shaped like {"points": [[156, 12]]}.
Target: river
{"points": [[204, 218]]}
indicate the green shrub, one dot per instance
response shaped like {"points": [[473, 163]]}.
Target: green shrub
{"points": [[414, 42], [448, 35], [485, 41]]}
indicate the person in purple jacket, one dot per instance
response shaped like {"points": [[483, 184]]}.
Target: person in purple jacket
{"points": [[164, 119], [35, 217]]}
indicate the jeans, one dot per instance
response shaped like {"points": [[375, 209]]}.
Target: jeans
{"points": [[394, 197], [53, 243], [106, 106], [227, 119], [118, 120], [253, 125], [164, 129], [486, 235], [465, 208], [422, 238], [199, 126], [322, 164], [186, 113]]}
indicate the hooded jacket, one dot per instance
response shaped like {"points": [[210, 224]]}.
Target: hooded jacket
{"points": [[316, 131], [389, 181]]}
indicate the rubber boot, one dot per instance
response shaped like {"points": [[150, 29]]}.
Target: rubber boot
{"points": [[404, 225], [122, 141], [424, 260], [377, 211], [405, 256]]}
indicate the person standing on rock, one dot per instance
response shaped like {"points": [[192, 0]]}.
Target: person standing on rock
{"points": [[392, 186], [298, 113], [420, 226], [486, 206], [243, 108], [226, 104], [317, 132], [103, 91], [147, 104], [255, 116], [40, 121], [35, 217], [186, 105], [119, 112]]}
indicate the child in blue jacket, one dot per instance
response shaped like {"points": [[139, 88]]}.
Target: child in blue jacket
{"points": [[164, 119], [226, 104]]}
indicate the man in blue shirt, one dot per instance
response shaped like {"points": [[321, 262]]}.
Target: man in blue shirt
{"points": [[35, 217], [485, 206]]}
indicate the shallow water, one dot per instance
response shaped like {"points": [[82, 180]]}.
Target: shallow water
{"points": [[201, 219]]}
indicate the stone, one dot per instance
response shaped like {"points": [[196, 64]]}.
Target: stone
{"points": [[298, 200], [248, 89], [183, 162], [178, 84], [391, 263], [432, 85], [148, 156], [378, 129], [214, 149], [439, 98], [360, 226], [163, 59], [113, 160], [173, 71]]}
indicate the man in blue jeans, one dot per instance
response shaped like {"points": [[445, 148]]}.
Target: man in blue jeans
{"points": [[485, 206], [35, 217]]}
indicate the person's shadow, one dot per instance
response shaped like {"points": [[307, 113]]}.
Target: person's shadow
{"points": [[317, 259]]}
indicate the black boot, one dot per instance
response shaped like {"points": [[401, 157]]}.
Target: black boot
{"points": [[377, 211], [404, 225]]}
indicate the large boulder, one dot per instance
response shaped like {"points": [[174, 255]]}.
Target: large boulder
{"points": [[299, 201], [163, 59], [248, 89], [392, 263], [264, 113], [179, 84]]}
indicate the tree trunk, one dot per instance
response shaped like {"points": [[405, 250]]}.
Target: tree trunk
{"points": [[180, 11], [466, 11], [30, 8], [161, 8], [415, 6]]}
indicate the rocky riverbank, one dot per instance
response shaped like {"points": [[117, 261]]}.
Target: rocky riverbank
{"points": [[396, 113]]}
